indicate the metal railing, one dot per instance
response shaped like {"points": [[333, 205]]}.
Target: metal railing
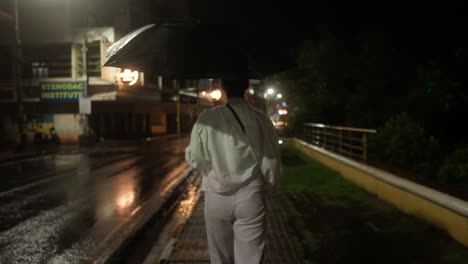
{"points": [[346, 141]]}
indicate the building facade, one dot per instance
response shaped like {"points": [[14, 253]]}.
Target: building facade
{"points": [[63, 46]]}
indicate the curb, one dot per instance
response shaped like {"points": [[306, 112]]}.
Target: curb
{"points": [[166, 254], [117, 238]]}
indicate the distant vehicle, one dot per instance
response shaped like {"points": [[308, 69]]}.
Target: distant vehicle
{"points": [[280, 124], [279, 121]]}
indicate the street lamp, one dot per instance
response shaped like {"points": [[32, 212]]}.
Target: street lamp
{"points": [[279, 96], [270, 91], [216, 95]]}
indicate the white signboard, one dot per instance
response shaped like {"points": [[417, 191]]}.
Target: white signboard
{"points": [[85, 105]]}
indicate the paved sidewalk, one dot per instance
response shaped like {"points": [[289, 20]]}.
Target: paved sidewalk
{"points": [[192, 246]]}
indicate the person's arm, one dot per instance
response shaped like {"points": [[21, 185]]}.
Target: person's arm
{"points": [[271, 159], [196, 153]]}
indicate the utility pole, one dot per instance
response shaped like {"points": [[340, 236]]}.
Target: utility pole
{"points": [[178, 114], [85, 137], [174, 83], [85, 89], [85, 63], [198, 96], [18, 57]]}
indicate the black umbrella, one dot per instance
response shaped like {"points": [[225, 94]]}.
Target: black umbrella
{"points": [[193, 51]]}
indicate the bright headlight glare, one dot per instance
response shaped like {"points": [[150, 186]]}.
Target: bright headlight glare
{"points": [[216, 95]]}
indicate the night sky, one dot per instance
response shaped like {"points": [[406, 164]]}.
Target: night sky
{"points": [[287, 22], [420, 29], [421, 26]]}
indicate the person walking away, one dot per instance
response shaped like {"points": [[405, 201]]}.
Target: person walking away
{"points": [[236, 149]]}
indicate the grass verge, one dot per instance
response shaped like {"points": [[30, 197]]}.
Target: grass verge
{"points": [[331, 220]]}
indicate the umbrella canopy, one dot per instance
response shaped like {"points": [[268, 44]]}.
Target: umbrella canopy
{"points": [[190, 51]]}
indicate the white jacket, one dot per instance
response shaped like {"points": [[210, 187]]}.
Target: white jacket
{"points": [[228, 158]]}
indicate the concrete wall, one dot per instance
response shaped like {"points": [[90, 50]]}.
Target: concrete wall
{"points": [[446, 212], [43, 21]]}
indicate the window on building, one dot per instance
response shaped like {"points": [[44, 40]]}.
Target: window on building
{"points": [[40, 70], [48, 61], [94, 59]]}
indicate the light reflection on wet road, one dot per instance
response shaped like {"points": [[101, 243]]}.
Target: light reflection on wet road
{"points": [[57, 209]]}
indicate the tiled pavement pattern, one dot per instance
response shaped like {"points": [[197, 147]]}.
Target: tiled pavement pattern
{"points": [[192, 246]]}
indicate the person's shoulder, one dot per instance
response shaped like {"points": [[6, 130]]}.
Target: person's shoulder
{"points": [[203, 115], [209, 114], [211, 111]]}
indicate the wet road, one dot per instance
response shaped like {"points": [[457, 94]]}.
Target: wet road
{"points": [[57, 209]]}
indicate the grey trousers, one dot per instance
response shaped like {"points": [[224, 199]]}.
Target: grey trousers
{"points": [[235, 225]]}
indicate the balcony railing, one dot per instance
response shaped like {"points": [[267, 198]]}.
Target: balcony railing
{"points": [[346, 141]]}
